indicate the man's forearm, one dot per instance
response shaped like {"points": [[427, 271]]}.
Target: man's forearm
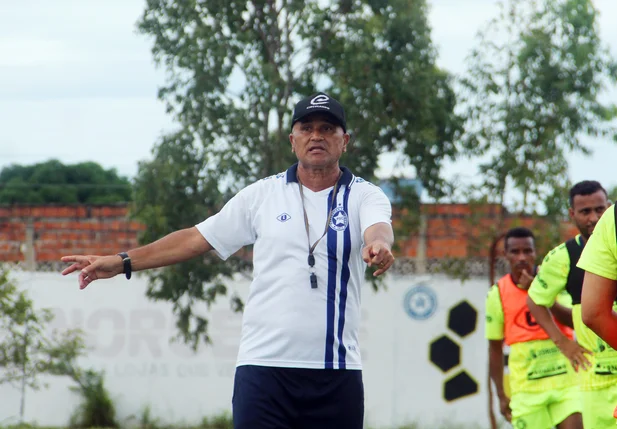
{"points": [[597, 307], [545, 319], [379, 232], [496, 364], [176, 247], [604, 325], [562, 314]]}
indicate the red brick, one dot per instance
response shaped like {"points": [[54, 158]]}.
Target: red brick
{"points": [[453, 230]]}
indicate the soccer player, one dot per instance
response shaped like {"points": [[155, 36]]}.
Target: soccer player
{"points": [[599, 260], [588, 201], [544, 391], [314, 229]]}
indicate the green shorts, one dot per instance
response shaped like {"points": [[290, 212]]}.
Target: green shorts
{"points": [[545, 410], [598, 406]]}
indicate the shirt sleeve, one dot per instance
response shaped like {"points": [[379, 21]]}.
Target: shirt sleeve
{"points": [[494, 324], [231, 228], [564, 299], [551, 278], [600, 253], [374, 208]]}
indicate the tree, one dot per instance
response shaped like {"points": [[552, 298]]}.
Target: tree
{"points": [[531, 91], [612, 194], [54, 182], [235, 69], [27, 349], [382, 67]]}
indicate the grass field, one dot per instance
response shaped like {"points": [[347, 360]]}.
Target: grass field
{"points": [[222, 421], [218, 423], [224, 425]]}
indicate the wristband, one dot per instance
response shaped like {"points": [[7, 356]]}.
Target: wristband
{"points": [[127, 264]]}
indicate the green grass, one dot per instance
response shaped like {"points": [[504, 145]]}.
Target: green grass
{"points": [[222, 421], [444, 425]]}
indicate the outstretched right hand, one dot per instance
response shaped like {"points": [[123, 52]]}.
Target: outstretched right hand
{"points": [[575, 353], [93, 267]]}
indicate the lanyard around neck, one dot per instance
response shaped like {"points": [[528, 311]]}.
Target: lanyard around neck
{"points": [[311, 248]]}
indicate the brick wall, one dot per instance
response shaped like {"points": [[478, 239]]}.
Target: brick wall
{"points": [[55, 231], [452, 230]]}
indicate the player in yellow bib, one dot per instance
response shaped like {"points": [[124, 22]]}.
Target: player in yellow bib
{"points": [[543, 385], [588, 201], [599, 260]]}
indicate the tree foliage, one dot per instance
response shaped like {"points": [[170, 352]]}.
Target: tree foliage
{"points": [[380, 60], [531, 92], [236, 68], [54, 182], [97, 409], [27, 349], [612, 194]]}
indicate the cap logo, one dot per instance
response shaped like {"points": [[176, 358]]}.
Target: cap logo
{"points": [[320, 100]]}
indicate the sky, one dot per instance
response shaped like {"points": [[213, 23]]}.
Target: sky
{"points": [[78, 83]]}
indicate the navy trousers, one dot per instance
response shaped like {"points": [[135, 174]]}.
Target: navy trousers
{"points": [[297, 398]]}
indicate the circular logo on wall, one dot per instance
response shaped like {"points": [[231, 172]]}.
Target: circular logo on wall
{"points": [[339, 219], [420, 302]]}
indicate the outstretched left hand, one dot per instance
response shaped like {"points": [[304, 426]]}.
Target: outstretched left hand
{"points": [[379, 254]]}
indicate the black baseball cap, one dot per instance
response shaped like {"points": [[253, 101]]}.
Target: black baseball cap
{"points": [[320, 103]]}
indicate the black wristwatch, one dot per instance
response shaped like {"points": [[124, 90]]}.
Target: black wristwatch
{"points": [[127, 264]]}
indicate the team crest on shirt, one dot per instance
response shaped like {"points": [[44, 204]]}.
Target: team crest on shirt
{"points": [[339, 219]]}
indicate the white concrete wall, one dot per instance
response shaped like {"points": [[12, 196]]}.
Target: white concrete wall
{"points": [[129, 336]]}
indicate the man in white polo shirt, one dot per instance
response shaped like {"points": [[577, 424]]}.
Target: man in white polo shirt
{"points": [[313, 228]]}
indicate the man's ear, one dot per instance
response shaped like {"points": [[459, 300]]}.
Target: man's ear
{"points": [[346, 139]]}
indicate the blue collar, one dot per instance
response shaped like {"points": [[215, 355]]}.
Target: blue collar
{"points": [[345, 180]]}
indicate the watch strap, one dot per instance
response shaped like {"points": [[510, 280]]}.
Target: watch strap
{"points": [[126, 261]]}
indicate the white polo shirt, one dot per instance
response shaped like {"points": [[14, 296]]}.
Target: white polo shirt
{"points": [[287, 323]]}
